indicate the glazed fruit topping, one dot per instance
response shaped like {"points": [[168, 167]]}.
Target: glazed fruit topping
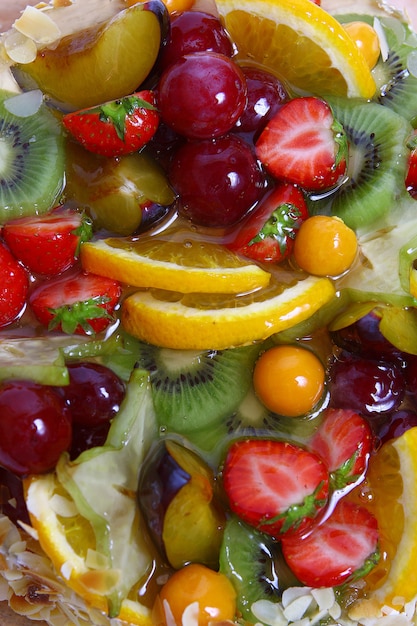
{"points": [[119, 127], [35, 427], [218, 180], [268, 233], [304, 144], [275, 486], [202, 95]]}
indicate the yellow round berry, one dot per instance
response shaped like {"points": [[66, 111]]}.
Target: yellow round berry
{"points": [[325, 246], [289, 380], [366, 39], [196, 584]]}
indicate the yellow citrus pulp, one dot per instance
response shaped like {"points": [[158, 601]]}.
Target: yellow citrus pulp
{"points": [[195, 322], [186, 266], [301, 43], [390, 491], [69, 541]]}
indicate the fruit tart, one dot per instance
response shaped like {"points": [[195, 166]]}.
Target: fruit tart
{"points": [[208, 328]]}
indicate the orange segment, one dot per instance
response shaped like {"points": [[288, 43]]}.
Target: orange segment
{"points": [[175, 320], [185, 266], [300, 42], [69, 541], [392, 483]]}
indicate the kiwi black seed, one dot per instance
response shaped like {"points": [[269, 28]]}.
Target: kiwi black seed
{"points": [[194, 391], [377, 139], [32, 159], [255, 565]]}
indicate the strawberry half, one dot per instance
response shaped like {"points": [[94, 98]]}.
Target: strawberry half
{"points": [[343, 547], [411, 173], [14, 284], [269, 231], [76, 302], [275, 486], [344, 441], [304, 144], [117, 127], [48, 244]]}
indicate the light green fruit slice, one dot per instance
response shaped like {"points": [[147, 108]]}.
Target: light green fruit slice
{"points": [[102, 482], [383, 270], [38, 359]]}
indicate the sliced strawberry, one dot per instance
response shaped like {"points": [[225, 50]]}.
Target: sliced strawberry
{"points": [[411, 174], [117, 127], [76, 302], [304, 144], [343, 547], [14, 284], [268, 233], [48, 244], [275, 486], [344, 441]]}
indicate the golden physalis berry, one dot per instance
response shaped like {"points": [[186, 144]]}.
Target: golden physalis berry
{"points": [[202, 593], [325, 246], [289, 380], [367, 40]]}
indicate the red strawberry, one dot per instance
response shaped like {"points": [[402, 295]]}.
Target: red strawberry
{"points": [[268, 233], [48, 244], [344, 441], [76, 302], [343, 547], [304, 144], [275, 486], [14, 284], [117, 127], [411, 174]]}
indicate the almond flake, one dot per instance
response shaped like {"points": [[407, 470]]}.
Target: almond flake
{"points": [[38, 26], [62, 506], [190, 615], [297, 609], [25, 104], [20, 48]]}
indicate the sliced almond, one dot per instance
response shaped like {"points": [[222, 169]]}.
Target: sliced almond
{"points": [[20, 48], [38, 26]]}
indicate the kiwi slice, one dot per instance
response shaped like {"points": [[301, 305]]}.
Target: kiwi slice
{"points": [[377, 161], [32, 157], [255, 565], [193, 391], [395, 73], [252, 419]]}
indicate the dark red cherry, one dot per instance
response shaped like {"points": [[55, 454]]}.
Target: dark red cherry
{"points": [[94, 393], [369, 387], [35, 427], [195, 31]]}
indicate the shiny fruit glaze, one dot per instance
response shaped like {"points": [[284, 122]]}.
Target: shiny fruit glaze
{"points": [[35, 427], [212, 591], [289, 380], [374, 382]]}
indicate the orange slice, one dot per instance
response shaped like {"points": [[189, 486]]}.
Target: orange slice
{"points": [[69, 541], [301, 43], [195, 322], [392, 493], [185, 266]]}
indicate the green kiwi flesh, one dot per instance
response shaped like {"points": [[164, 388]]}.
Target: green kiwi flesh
{"points": [[377, 162], [254, 564], [194, 392], [32, 161]]}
